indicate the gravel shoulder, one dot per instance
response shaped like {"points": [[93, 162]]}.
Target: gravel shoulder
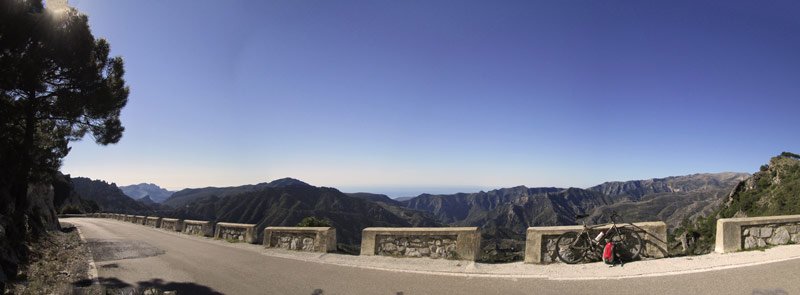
{"points": [[59, 264]]}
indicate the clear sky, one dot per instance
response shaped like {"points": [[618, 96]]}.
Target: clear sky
{"points": [[405, 97]]}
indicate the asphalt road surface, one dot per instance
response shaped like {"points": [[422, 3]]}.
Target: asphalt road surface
{"points": [[129, 255]]}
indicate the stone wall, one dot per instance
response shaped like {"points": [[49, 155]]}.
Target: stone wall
{"points": [[153, 221], [432, 246], [460, 243], [735, 234], [172, 224], [771, 234], [198, 228], [236, 232], [138, 220], [540, 244], [311, 239]]}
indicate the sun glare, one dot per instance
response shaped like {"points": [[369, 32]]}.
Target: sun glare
{"points": [[57, 7]]}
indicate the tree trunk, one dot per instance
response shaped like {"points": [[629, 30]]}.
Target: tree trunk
{"points": [[19, 185]]}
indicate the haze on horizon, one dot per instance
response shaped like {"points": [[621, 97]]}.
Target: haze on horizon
{"points": [[418, 95]]}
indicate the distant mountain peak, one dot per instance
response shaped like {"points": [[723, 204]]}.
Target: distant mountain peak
{"points": [[286, 181], [139, 191]]}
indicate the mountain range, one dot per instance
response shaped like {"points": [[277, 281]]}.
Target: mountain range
{"points": [[182, 197], [286, 202], [139, 191], [108, 197]]}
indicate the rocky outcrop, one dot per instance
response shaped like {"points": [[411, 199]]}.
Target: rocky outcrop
{"points": [[771, 191]]}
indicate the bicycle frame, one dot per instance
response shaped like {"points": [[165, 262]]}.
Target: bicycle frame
{"points": [[587, 229]]}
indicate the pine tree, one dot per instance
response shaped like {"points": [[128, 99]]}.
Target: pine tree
{"points": [[57, 83]]}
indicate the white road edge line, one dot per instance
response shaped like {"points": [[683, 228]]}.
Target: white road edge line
{"points": [[92, 266]]}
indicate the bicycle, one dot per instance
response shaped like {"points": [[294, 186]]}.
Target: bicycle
{"points": [[573, 247]]}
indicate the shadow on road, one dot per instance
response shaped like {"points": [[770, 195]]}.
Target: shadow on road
{"points": [[115, 286]]}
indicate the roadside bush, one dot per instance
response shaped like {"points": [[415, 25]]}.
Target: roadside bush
{"points": [[312, 221]]}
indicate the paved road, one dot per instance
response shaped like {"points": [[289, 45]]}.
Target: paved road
{"points": [[134, 255]]}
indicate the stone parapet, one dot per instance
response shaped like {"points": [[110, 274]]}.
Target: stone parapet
{"points": [[540, 243], [311, 239], [128, 218], [736, 234], [139, 219], [460, 243], [172, 224], [153, 221], [236, 232], [198, 228]]}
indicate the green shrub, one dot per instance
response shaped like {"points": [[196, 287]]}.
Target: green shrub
{"points": [[790, 155], [312, 221]]}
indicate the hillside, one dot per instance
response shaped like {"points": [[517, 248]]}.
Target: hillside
{"points": [[107, 196], [773, 190], [464, 208], [183, 197], [286, 205], [138, 191], [66, 199], [380, 198], [670, 199]]}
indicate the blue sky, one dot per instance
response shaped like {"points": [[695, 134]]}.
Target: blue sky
{"points": [[405, 97]]}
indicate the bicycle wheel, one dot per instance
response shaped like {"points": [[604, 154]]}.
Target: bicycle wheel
{"points": [[571, 248], [628, 243]]}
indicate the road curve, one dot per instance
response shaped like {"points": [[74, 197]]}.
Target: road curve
{"points": [[132, 255]]}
